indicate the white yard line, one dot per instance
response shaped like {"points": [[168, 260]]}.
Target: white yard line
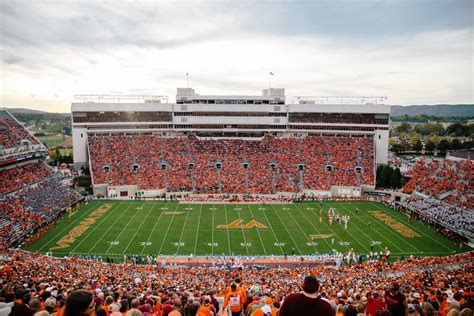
{"points": [[169, 225], [301, 229], [111, 227], [97, 225], [273, 231], [197, 231], [258, 231], [67, 227], [137, 230], [374, 230], [327, 242], [153, 229], [228, 236], [335, 234], [182, 230], [243, 233], [291, 236], [213, 227], [412, 227]]}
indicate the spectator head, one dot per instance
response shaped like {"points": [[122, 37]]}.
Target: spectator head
{"points": [[134, 303], [134, 312], [35, 305], [79, 303], [310, 285], [453, 312], [360, 308], [50, 303], [466, 312], [108, 300], [123, 305], [428, 309], [114, 307], [350, 311], [394, 287]]}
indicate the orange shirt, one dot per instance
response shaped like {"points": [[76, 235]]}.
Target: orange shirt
{"points": [[235, 300], [204, 311]]}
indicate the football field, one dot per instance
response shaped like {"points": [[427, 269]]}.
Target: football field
{"points": [[114, 228]]}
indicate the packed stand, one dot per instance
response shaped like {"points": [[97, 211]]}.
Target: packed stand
{"points": [[432, 210], [448, 180], [18, 177], [417, 286], [266, 166], [33, 208], [11, 132]]}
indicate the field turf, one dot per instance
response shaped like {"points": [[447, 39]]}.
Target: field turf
{"points": [[114, 228]]}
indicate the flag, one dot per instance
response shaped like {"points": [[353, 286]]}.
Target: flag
{"points": [[271, 73]]}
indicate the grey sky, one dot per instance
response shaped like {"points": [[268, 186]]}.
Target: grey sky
{"points": [[412, 51]]}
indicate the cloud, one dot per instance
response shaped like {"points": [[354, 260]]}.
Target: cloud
{"points": [[412, 51]]}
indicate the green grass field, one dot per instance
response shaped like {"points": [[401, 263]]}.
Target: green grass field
{"points": [[52, 140], [148, 227]]}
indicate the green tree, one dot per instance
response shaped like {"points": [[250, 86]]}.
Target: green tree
{"points": [[443, 145], [404, 127], [397, 148], [430, 146], [417, 145], [457, 129], [456, 144], [434, 139], [382, 175], [395, 178]]}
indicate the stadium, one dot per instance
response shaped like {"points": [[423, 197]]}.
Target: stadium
{"points": [[221, 204]]}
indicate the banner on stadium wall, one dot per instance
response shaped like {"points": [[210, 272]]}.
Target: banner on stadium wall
{"points": [[150, 193], [345, 191], [317, 193]]}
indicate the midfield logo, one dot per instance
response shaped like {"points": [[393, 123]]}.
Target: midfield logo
{"points": [[238, 224]]}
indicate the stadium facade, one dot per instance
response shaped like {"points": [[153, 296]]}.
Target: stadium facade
{"points": [[229, 116]]}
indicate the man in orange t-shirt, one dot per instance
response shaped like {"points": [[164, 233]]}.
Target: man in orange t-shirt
{"points": [[234, 300]]}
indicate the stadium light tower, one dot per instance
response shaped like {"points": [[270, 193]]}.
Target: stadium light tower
{"points": [[106, 168], [300, 167], [135, 169], [218, 165], [246, 166], [273, 165], [191, 172], [164, 167]]}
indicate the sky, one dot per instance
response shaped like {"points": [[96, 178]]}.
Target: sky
{"points": [[412, 51]]}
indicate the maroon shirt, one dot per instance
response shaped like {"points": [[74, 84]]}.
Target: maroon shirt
{"points": [[301, 305], [372, 305], [395, 302]]}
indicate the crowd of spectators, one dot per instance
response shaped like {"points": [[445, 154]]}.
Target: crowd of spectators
{"points": [[449, 180], [209, 166], [20, 176], [416, 286], [12, 133], [435, 211], [28, 210]]}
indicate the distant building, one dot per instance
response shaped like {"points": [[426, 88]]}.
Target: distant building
{"points": [[221, 116], [460, 155]]}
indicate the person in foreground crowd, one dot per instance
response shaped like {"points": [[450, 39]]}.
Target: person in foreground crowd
{"points": [[306, 302], [430, 286], [80, 303]]}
